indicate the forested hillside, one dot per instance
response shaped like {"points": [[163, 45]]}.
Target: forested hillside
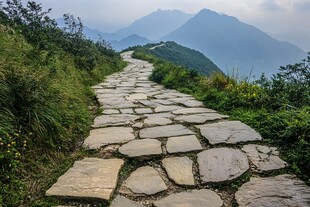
{"points": [[45, 94], [182, 56]]}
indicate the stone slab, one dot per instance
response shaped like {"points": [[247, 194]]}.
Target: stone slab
{"points": [[115, 120], [229, 132], [90, 178], [192, 111], [194, 198], [180, 170], [183, 144], [121, 201], [221, 164], [264, 158], [143, 181], [111, 111], [157, 121], [165, 131], [200, 118], [111, 135], [143, 111], [279, 191], [168, 108], [142, 147], [137, 96]]}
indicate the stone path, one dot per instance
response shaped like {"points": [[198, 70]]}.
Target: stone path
{"points": [[163, 148]]}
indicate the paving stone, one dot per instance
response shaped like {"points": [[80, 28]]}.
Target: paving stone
{"points": [[157, 121], [279, 191], [149, 103], [229, 132], [111, 111], [180, 170], [159, 109], [111, 135], [263, 157], [121, 201], [138, 125], [141, 147], [161, 115], [143, 111], [192, 111], [165, 131], [183, 144], [115, 120], [194, 198], [200, 118], [90, 178], [163, 101], [127, 111], [143, 181], [137, 96], [221, 164], [193, 103]]}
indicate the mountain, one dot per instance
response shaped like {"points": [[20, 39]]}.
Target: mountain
{"points": [[233, 44], [156, 24], [131, 40], [185, 57]]}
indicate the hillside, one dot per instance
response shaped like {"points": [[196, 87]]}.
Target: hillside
{"points": [[233, 44], [184, 56], [46, 76]]}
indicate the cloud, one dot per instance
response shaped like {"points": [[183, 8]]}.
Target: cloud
{"points": [[271, 5]]}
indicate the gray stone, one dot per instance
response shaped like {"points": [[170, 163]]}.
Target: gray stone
{"points": [[127, 111], [143, 181], [263, 158], [111, 111], [221, 164], [111, 135], [142, 147], [143, 111], [157, 121], [138, 125], [229, 132], [149, 103], [165, 131], [121, 201], [163, 102], [194, 198], [137, 96], [90, 178], [180, 170], [161, 115], [183, 144], [159, 109], [193, 103], [279, 191], [200, 118], [192, 111], [115, 120]]}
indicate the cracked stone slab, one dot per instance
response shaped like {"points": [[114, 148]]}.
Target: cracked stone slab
{"points": [[157, 121], [90, 178], [264, 158], [183, 144], [121, 201], [143, 181], [168, 108], [192, 111], [165, 131], [141, 147], [114, 120], [180, 170], [200, 118], [229, 132], [221, 164], [278, 191], [194, 198], [111, 135]]}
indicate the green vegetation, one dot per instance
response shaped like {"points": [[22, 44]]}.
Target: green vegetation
{"points": [[278, 108], [181, 56], [45, 94]]}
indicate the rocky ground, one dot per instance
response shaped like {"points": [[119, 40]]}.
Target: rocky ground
{"points": [[163, 148]]}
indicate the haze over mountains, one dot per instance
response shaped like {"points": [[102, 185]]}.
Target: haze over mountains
{"points": [[228, 42]]}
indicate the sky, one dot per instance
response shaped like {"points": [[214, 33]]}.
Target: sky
{"points": [[284, 19]]}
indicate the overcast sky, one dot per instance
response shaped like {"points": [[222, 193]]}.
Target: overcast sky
{"points": [[287, 18]]}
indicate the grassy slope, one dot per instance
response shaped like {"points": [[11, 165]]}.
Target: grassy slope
{"points": [[46, 111]]}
